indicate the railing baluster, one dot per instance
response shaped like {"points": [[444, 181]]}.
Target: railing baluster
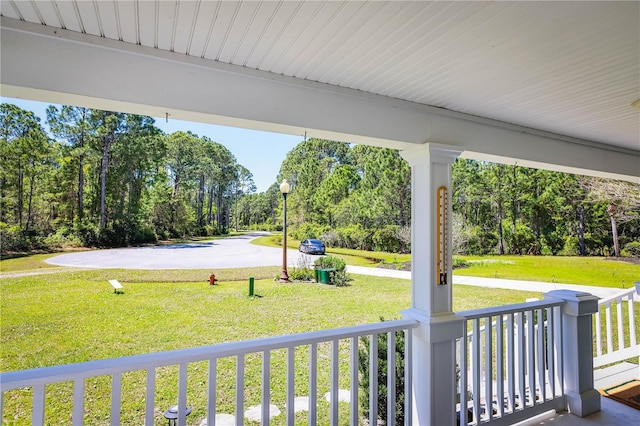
{"points": [[373, 379], [182, 394], [620, 324], [212, 390], [78, 402], [408, 375], [391, 378], [520, 358], [632, 321], [240, 390], [608, 325], [116, 398], [335, 373], [313, 384], [150, 398], [559, 354], [500, 364], [464, 374], [354, 382], [531, 366], [37, 411], [511, 381], [541, 358], [266, 387], [291, 392], [475, 369], [598, 334], [488, 367], [550, 359]]}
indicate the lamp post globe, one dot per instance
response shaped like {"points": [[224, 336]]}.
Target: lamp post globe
{"points": [[284, 188]]}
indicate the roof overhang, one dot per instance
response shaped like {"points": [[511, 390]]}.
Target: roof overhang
{"points": [[60, 66]]}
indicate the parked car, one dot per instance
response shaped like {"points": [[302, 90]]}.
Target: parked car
{"points": [[311, 246]]}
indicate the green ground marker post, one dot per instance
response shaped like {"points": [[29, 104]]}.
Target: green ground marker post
{"points": [[250, 286]]}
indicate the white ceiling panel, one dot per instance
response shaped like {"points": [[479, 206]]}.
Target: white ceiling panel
{"points": [[571, 68]]}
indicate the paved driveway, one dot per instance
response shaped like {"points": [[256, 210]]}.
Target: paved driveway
{"points": [[233, 252]]}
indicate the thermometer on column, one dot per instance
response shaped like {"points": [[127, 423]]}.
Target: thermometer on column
{"points": [[442, 234]]}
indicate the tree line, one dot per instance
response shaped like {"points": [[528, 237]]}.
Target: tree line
{"points": [[100, 178], [104, 178]]}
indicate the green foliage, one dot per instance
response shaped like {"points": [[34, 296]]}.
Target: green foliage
{"points": [[631, 249], [302, 270], [330, 262], [481, 241], [308, 230], [364, 355], [391, 238]]}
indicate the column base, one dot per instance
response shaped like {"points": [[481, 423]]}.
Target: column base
{"points": [[583, 404]]}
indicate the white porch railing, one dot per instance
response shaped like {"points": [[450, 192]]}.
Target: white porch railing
{"points": [[510, 363], [38, 379], [607, 352]]}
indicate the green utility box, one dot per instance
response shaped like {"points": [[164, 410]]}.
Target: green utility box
{"points": [[324, 275]]}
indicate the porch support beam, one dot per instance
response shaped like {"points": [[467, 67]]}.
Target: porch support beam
{"points": [[433, 350]]}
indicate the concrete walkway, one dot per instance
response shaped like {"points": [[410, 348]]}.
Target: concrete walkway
{"points": [[542, 287]]}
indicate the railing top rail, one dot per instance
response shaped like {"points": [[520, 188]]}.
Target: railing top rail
{"points": [[509, 309], [59, 373], [623, 293]]}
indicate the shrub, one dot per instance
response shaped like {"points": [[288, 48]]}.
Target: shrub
{"points": [[482, 241], [631, 249], [554, 242], [355, 236], [387, 239], [364, 353], [330, 262], [340, 278], [308, 230], [302, 270]]}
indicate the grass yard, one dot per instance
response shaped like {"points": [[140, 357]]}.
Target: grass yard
{"points": [[596, 271], [61, 318]]}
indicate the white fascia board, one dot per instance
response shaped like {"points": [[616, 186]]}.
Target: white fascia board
{"points": [[60, 66]]}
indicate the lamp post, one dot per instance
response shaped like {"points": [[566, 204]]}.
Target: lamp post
{"points": [[284, 188]]}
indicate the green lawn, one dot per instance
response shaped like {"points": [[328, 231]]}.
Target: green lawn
{"points": [[68, 317], [596, 271]]}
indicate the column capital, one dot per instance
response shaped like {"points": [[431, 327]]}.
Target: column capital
{"points": [[577, 303], [431, 152]]}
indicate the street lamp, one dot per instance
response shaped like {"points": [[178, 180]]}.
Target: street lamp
{"points": [[284, 188]]}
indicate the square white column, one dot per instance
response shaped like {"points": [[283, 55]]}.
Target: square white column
{"points": [[434, 366]]}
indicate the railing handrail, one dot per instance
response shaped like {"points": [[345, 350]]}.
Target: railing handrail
{"points": [[509, 309], [621, 294], [59, 373]]}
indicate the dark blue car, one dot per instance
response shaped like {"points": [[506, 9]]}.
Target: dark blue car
{"points": [[311, 246]]}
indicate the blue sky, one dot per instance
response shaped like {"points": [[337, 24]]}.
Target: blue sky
{"points": [[260, 152]]}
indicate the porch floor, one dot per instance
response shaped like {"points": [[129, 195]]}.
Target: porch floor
{"points": [[612, 413]]}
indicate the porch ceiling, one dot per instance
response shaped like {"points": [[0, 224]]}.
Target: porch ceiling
{"points": [[569, 68]]}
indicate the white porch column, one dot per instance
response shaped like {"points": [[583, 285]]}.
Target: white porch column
{"points": [[434, 358], [577, 349]]}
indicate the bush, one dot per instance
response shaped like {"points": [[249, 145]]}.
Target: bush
{"points": [[554, 242], [340, 278], [330, 262], [364, 353], [631, 249], [391, 239], [355, 237], [481, 241], [308, 230], [302, 270], [12, 238]]}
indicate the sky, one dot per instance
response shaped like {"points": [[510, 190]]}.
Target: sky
{"points": [[260, 152]]}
